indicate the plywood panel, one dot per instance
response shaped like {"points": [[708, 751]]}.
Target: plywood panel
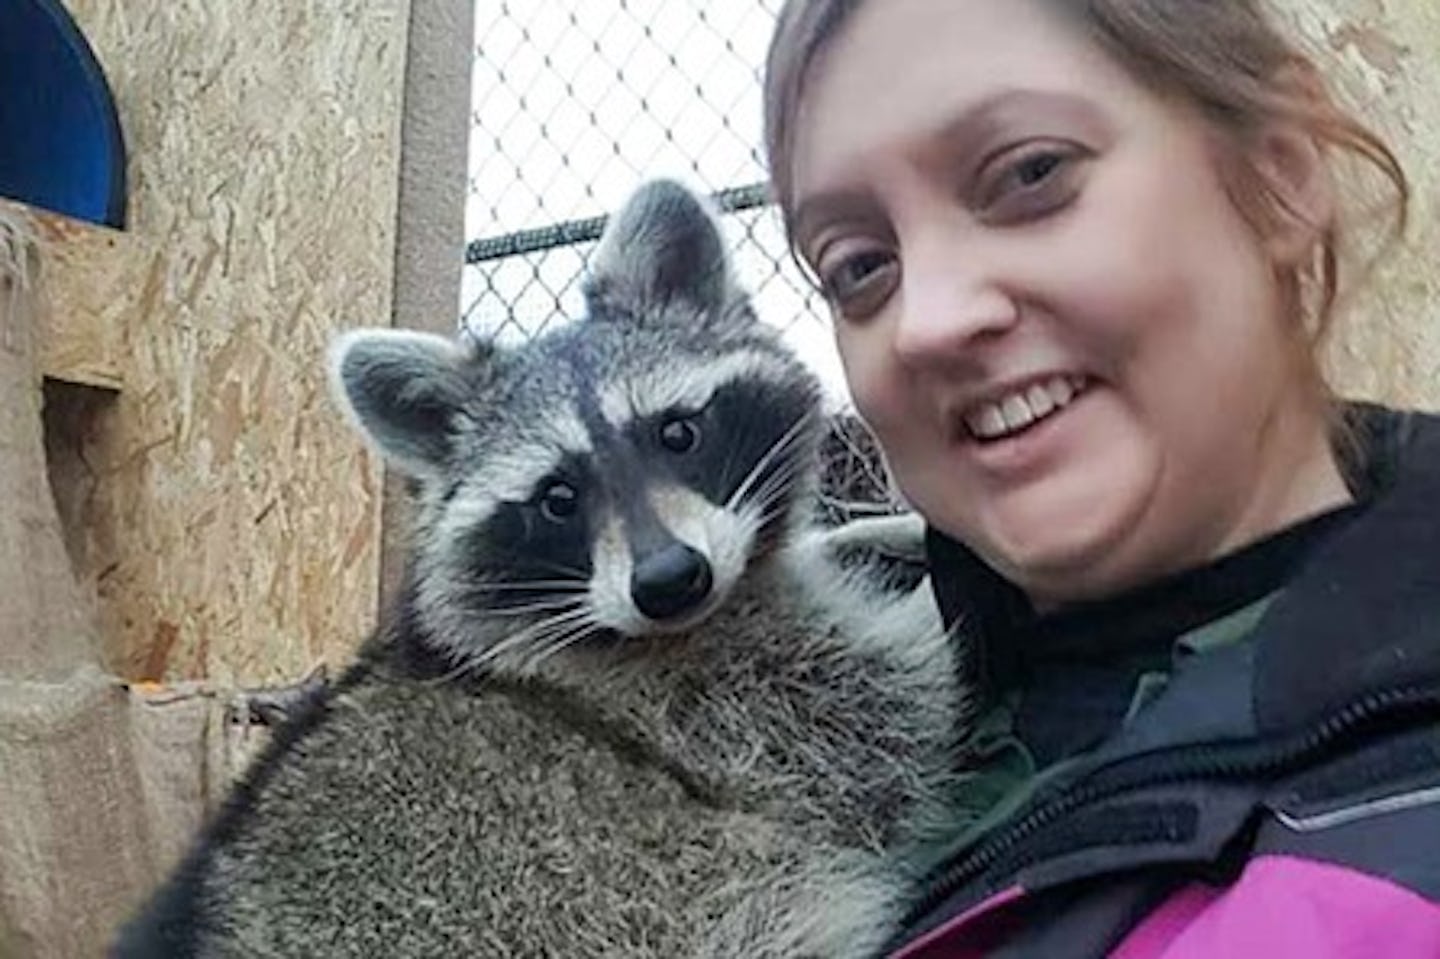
{"points": [[1390, 54], [92, 272], [233, 523]]}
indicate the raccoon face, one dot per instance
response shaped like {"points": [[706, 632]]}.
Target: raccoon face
{"points": [[611, 480]]}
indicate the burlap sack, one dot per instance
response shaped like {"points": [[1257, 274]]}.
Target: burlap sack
{"points": [[101, 787]]}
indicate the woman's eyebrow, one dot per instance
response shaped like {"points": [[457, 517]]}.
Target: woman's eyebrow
{"points": [[975, 124], [819, 210], [992, 116]]}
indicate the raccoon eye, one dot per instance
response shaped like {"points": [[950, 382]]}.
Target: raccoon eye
{"points": [[559, 502], [679, 435]]}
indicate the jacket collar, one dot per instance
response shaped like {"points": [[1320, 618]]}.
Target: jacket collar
{"points": [[1363, 617]]}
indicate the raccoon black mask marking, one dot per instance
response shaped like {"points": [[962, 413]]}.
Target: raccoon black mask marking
{"points": [[612, 478]]}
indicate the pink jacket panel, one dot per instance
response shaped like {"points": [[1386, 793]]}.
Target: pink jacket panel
{"points": [[1283, 907]]}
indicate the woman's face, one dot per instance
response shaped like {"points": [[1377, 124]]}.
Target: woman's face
{"points": [[1066, 337]]}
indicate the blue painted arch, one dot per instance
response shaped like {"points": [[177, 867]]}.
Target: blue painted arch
{"points": [[61, 147]]}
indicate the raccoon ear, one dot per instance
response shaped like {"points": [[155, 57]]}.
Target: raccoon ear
{"points": [[403, 391], [663, 245]]}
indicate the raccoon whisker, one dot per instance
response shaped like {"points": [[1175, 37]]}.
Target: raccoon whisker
{"points": [[758, 470], [553, 606], [531, 633], [503, 602], [766, 517], [559, 648], [792, 434], [730, 460], [535, 585], [770, 507], [544, 642], [519, 638], [536, 631], [785, 447], [461, 668], [771, 500], [554, 642], [563, 642], [556, 639], [783, 475], [779, 483], [569, 572]]}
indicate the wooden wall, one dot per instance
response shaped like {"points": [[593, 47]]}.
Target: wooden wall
{"points": [[222, 512]]}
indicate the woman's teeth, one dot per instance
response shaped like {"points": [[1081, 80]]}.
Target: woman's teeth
{"points": [[1022, 409]]}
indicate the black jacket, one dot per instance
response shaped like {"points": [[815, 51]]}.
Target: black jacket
{"points": [[1308, 754]]}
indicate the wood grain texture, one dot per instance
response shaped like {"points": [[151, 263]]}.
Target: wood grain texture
{"points": [[232, 527]]}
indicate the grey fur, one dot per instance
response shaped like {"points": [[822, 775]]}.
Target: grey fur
{"points": [[484, 784]]}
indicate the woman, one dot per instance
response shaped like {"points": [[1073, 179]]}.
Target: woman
{"points": [[1080, 258]]}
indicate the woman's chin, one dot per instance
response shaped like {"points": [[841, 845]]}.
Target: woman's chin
{"points": [[1068, 545]]}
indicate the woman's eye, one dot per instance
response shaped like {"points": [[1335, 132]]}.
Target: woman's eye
{"points": [[859, 283], [559, 501], [1028, 184], [680, 434], [1034, 170]]}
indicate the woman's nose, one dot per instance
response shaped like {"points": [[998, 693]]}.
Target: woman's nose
{"points": [[948, 305]]}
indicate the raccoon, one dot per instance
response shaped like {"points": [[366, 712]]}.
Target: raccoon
{"points": [[634, 701]]}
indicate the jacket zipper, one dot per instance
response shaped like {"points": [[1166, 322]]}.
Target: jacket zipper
{"points": [[1184, 763]]}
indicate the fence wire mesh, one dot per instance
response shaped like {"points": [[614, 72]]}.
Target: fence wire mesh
{"points": [[575, 102]]}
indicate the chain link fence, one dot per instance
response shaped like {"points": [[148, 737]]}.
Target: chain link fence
{"points": [[575, 102]]}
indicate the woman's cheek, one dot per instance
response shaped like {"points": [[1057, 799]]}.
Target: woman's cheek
{"points": [[863, 356]]}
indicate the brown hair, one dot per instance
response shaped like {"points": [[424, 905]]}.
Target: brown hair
{"points": [[1225, 56]]}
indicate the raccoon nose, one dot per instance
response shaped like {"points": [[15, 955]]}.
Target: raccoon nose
{"points": [[670, 582]]}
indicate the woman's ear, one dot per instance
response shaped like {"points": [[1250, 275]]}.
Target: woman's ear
{"points": [[1293, 169]]}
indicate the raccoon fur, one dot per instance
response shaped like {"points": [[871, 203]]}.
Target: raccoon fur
{"points": [[634, 702]]}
